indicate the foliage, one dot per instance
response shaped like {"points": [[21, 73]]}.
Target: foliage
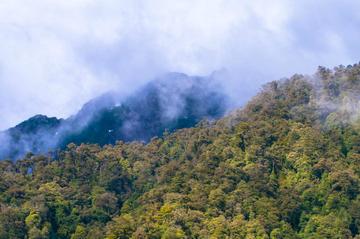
{"points": [[281, 167]]}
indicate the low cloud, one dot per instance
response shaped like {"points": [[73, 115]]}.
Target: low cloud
{"points": [[56, 55]]}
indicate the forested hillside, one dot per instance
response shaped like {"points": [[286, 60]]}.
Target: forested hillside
{"points": [[287, 165], [170, 102]]}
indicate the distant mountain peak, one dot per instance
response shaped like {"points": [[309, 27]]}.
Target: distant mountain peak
{"points": [[169, 102]]}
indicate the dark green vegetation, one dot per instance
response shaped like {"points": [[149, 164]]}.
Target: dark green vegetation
{"points": [[285, 166], [172, 102]]}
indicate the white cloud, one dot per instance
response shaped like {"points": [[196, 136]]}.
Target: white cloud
{"points": [[55, 55]]}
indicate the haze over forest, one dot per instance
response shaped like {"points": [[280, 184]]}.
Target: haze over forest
{"points": [[179, 119], [58, 55]]}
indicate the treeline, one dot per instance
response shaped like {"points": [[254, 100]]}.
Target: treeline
{"points": [[285, 166]]}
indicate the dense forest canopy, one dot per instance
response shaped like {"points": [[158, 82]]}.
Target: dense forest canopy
{"points": [[287, 165]]}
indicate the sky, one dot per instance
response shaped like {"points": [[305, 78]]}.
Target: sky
{"points": [[56, 55]]}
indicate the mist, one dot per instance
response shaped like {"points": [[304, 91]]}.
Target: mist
{"points": [[57, 55], [170, 102]]}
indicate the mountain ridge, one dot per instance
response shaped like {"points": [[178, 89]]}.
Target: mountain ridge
{"points": [[172, 101]]}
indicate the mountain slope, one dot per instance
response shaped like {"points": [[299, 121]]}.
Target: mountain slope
{"points": [[176, 101], [284, 166], [171, 102]]}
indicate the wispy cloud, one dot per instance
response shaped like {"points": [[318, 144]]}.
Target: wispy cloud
{"points": [[55, 55]]}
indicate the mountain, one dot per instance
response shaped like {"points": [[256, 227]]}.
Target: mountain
{"points": [[33, 135], [287, 165], [168, 103]]}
